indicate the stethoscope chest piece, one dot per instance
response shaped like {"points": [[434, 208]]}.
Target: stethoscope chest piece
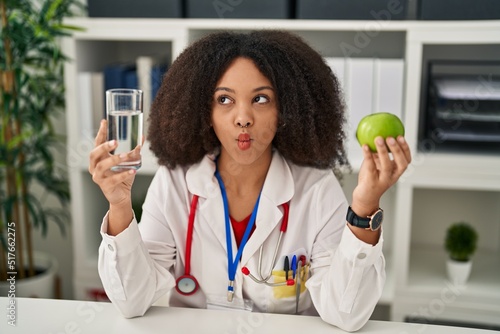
{"points": [[186, 285]]}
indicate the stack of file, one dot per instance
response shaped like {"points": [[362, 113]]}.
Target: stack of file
{"points": [[369, 85]]}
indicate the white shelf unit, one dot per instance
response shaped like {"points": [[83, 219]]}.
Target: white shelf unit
{"points": [[410, 277], [441, 188]]}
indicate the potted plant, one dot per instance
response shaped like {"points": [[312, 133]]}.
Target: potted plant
{"points": [[460, 243], [32, 95]]}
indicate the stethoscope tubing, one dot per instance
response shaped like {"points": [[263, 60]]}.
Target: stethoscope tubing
{"points": [[287, 282], [265, 280], [270, 273], [187, 284]]}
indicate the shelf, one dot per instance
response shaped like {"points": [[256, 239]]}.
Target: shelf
{"points": [[479, 208], [430, 296], [289, 24], [427, 275], [454, 171], [95, 54]]}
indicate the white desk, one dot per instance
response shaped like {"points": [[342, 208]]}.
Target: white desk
{"points": [[46, 316]]}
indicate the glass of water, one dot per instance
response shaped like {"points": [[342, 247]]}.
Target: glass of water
{"points": [[125, 118]]}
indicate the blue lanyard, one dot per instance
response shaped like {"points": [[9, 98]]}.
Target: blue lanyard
{"points": [[233, 264]]}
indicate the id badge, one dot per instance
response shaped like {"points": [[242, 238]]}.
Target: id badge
{"points": [[216, 302]]}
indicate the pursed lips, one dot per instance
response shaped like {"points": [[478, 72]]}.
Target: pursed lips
{"points": [[244, 137], [244, 141]]}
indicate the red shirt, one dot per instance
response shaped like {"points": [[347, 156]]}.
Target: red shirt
{"points": [[239, 228]]}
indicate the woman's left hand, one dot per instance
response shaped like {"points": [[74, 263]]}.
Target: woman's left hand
{"points": [[379, 172]]}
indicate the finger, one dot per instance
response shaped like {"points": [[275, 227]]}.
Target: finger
{"points": [[135, 153], [383, 155], [101, 152], [104, 166], [102, 134], [115, 178], [132, 156], [377, 161], [406, 148], [369, 159], [399, 157]]}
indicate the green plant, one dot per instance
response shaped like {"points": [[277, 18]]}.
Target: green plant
{"points": [[32, 94], [461, 241]]}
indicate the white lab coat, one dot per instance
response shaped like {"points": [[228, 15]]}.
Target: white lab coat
{"points": [[141, 264]]}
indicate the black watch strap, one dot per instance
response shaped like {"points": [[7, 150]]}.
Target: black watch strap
{"points": [[355, 220], [365, 222]]}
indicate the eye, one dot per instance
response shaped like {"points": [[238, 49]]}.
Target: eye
{"points": [[224, 99], [261, 99]]}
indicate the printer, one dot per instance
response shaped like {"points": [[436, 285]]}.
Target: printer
{"points": [[463, 106]]}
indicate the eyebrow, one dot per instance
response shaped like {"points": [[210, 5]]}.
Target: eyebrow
{"points": [[258, 89]]}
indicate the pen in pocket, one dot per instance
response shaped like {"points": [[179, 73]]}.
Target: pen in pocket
{"points": [[286, 267], [294, 266]]}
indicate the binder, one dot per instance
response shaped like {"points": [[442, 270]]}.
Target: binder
{"points": [[359, 100], [337, 64], [98, 100], [388, 87], [369, 86], [115, 75], [85, 105]]}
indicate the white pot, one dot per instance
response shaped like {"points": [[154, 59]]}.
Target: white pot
{"points": [[458, 272], [40, 286]]}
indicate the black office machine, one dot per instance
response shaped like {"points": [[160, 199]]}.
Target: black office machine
{"points": [[463, 106]]}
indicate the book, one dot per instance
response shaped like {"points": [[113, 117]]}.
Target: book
{"points": [[150, 71], [157, 73]]}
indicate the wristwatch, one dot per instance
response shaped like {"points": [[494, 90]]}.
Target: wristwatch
{"points": [[372, 222]]}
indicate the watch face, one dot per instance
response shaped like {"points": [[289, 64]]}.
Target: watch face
{"points": [[377, 219]]}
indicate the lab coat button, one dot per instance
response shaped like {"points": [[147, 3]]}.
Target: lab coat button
{"points": [[110, 247], [361, 256]]}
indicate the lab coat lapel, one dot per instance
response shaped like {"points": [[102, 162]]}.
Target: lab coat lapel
{"points": [[278, 189], [201, 181], [212, 211], [268, 217]]}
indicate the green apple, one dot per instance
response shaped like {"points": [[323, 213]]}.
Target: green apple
{"points": [[378, 124]]}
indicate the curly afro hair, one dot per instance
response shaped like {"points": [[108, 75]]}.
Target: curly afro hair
{"points": [[311, 107]]}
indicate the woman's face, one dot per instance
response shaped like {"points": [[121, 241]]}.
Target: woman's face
{"points": [[244, 113]]}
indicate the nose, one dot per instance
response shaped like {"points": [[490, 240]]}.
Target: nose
{"points": [[244, 117], [245, 125]]}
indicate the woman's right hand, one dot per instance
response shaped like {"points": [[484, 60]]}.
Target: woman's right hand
{"points": [[116, 186]]}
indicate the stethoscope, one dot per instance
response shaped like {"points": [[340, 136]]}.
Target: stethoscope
{"points": [[265, 280], [187, 284]]}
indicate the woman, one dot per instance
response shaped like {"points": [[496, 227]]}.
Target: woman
{"points": [[248, 129]]}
